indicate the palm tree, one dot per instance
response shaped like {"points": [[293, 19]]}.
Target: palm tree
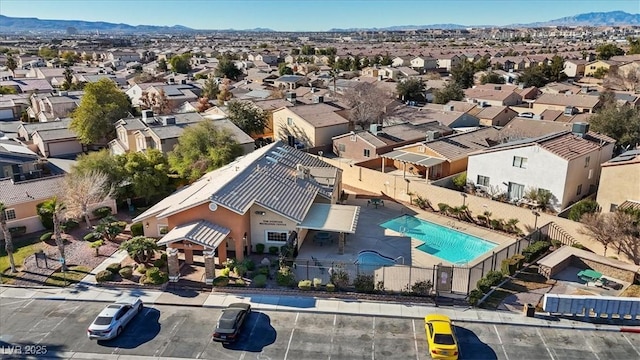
{"points": [[8, 242], [57, 209]]}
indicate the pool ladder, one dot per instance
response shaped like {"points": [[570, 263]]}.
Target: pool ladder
{"points": [[400, 257]]}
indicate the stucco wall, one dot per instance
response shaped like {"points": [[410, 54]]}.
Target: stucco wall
{"points": [[269, 221], [619, 183]]}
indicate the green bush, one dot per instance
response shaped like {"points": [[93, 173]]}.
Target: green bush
{"points": [[18, 230], [364, 283], [422, 287], [260, 248], [444, 208], [155, 276], [69, 225], [159, 263], [583, 207], [221, 281], [304, 284], [231, 263], [225, 272], [239, 282], [46, 236], [474, 296], [114, 267], [126, 272], [104, 275], [241, 270], [286, 251], [519, 259], [285, 277], [259, 281], [483, 285], [317, 282], [89, 237], [330, 287], [46, 217], [102, 212], [534, 250], [273, 250], [249, 264], [492, 278], [460, 180], [579, 246], [509, 266], [339, 277], [141, 269], [137, 229]]}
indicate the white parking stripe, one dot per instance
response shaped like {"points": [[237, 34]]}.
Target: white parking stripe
{"points": [[73, 310], [333, 331], [173, 331], [630, 343], [545, 344], [291, 336], [500, 342], [415, 338], [592, 350], [255, 324], [373, 339]]}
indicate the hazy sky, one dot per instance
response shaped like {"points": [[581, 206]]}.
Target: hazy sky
{"points": [[301, 15]]}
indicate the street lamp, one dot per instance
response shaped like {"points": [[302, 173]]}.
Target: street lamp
{"points": [[464, 199]]}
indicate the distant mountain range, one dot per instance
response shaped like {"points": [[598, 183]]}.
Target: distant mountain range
{"points": [[16, 25]]}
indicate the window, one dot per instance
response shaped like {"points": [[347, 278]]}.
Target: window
{"points": [[277, 236], [590, 173], [341, 147], [586, 161], [520, 162], [516, 191], [10, 214], [367, 152], [289, 121], [483, 180], [579, 190]]}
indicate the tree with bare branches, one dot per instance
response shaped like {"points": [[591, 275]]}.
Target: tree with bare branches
{"points": [[8, 241], [157, 102], [620, 230], [82, 189], [597, 226], [367, 104]]}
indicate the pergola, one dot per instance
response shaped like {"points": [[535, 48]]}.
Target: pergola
{"points": [[406, 157]]}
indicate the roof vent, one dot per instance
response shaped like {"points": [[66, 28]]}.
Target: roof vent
{"points": [[580, 129]]}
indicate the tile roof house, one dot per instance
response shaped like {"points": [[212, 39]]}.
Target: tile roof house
{"points": [[442, 114], [566, 163], [495, 96], [48, 107], [309, 126], [28, 85], [570, 103], [272, 196], [619, 182]]}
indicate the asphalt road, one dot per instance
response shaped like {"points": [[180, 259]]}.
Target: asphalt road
{"points": [[57, 329]]}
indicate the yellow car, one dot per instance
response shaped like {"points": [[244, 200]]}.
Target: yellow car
{"points": [[440, 337]]}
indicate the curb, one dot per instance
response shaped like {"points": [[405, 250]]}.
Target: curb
{"points": [[635, 330]]}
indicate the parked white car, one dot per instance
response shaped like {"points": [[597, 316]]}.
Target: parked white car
{"points": [[114, 318]]}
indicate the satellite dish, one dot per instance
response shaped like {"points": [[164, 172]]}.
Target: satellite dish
{"points": [[213, 206]]}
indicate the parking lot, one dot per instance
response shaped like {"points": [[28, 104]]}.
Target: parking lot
{"points": [[184, 332]]}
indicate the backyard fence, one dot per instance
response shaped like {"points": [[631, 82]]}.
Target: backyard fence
{"points": [[400, 278]]}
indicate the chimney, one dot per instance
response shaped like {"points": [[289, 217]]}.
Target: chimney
{"points": [[580, 129], [375, 129], [432, 135], [147, 116], [318, 99], [168, 120]]}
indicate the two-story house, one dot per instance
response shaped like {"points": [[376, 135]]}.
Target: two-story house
{"points": [[567, 164], [618, 186], [570, 104], [309, 126]]}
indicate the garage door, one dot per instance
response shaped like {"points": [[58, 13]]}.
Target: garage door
{"points": [[6, 114]]}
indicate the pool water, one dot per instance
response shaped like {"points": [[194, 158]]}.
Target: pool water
{"points": [[369, 260], [447, 244]]}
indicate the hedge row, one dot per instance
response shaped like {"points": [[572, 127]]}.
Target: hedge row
{"points": [[492, 278], [534, 250]]}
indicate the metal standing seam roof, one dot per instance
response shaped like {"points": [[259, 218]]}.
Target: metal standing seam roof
{"points": [[413, 158], [200, 232]]}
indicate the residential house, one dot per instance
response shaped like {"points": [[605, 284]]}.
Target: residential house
{"points": [[561, 88], [290, 82], [366, 145], [447, 61], [574, 68], [28, 85], [565, 163], [25, 130], [401, 61], [423, 63], [619, 182], [309, 126], [442, 114], [592, 67], [571, 104], [270, 197], [175, 94], [440, 157], [493, 97], [57, 143], [12, 106], [18, 162], [48, 107], [495, 115]]}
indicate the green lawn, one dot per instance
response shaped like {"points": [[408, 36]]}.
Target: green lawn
{"points": [[23, 247], [73, 275]]}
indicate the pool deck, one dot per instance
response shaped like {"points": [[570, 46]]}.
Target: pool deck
{"points": [[371, 236]]}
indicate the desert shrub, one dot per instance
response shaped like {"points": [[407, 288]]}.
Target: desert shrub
{"points": [[285, 277], [159, 263], [259, 281], [126, 272], [69, 225], [583, 207], [510, 265], [221, 281], [497, 224], [249, 264], [225, 272], [330, 287], [102, 212], [273, 250], [317, 282], [260, 248], [304, 284], [141, 269], [422, 287], [114, 267], [534, 250], [239, 282], [46, 236], [494, 277], [339, 277], [364, 283], [137, 229], [155, 276], [460, 180], [474, 296], [444, 208], [104, 275], [241, 270], [89, 237]]}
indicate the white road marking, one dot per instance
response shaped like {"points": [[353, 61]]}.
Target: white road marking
{"points": [[333, 331], [500, 342], [415, 338], [373, 339], [545, 344], [291, 336], [255, 324], [171, 334], [15, 302], [592, 350], [630, 343]]}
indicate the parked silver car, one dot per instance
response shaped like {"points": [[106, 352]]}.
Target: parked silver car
{"points": [[114, 318]]}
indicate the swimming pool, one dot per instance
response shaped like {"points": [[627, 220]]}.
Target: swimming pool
{"points": [[370, 260], [440, 241]]}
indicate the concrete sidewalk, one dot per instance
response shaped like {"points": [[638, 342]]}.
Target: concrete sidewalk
{"points": [[274, 302]]}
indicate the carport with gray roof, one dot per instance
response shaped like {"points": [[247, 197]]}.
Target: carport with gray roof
{"points": [[413, 158]]}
